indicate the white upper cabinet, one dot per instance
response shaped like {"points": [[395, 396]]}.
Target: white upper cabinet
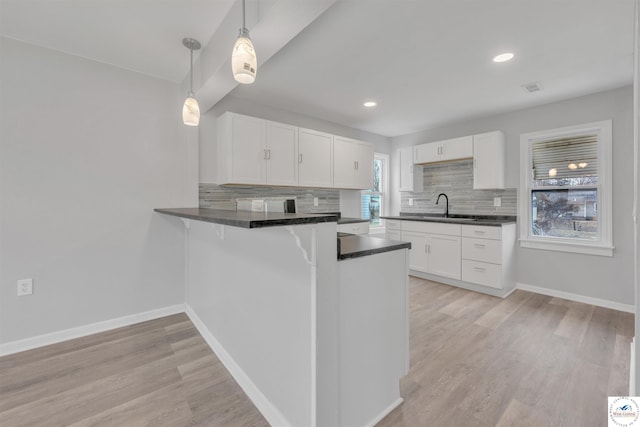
{"points": [[281, 154], [256, 151], [352, 164], [315, 159], [241, 150], [444, 151], [411, 178], [488, 160]]}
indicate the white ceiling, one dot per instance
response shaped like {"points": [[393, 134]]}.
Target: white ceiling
{"points": [[139, 35], [427, 62]]}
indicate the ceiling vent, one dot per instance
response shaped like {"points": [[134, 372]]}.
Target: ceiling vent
{"points": [[532, 87]]}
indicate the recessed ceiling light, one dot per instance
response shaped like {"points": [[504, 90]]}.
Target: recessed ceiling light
{"points": [[503, 57], [370, 104]]}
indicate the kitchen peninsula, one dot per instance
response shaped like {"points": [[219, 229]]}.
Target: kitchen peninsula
{"points": [[314, 331]]}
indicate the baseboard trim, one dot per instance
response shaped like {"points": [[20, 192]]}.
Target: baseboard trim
{"points": [[82, 331], [266, 408], [628, 308], [386, 412]]}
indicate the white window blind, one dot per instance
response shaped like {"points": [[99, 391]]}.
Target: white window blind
{"points": [[567, 157]]}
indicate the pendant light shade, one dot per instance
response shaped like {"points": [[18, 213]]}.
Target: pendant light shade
{"points": [[190, 109], [244, 63]]}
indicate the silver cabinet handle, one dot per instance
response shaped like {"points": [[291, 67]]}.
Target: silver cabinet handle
{"points": [[299, 158], [481, 269], [479, 232], [268, 154], [426, 249], [478, 245], [265, 154]]}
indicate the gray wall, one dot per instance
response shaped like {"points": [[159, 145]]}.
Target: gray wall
{"points": [[86, 152], [609, 278]]}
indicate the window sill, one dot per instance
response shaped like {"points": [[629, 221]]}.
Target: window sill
{"points": [[600, 250]]}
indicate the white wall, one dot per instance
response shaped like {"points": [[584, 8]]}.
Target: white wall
{"points": [[208, 145], [609, 278], [87, 151]]}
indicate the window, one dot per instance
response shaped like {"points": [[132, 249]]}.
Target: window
{"points": [[565, 189], [374, 201]]}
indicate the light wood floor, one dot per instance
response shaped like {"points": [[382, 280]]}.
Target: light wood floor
{"points": [[528, 360]]}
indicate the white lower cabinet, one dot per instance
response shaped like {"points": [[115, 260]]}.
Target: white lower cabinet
{"points": [[487, 254], [477, 255], [435, 247], [444, 255], [418, 254], [393, 229]]}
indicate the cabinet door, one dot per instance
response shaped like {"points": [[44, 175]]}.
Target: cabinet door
{"points": [[282, 154], [315, 159], [364, 166], [410, 174], [418, 257], [345, 154], [488, 160], [444, 255], [248, 165], [457, 148], [426, 153]]}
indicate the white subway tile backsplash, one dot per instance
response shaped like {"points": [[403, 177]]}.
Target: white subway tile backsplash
{"points": [[455, 179]]}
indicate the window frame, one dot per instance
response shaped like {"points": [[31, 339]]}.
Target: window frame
{"points": [[384, 193], [604, 245]]}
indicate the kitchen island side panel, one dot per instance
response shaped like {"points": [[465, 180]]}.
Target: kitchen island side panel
{"points": [[255, 292]]}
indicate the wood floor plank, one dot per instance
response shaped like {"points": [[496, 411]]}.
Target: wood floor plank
{"points": [[476, 360], [518, 414], [618, 384], [503, 310], [575, 323]]}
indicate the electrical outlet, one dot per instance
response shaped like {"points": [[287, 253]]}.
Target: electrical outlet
{"points": [[315, 201], [25, 287], [497, 201], [410, 201]]}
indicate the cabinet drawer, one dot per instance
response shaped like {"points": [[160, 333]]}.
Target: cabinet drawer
{"points": [[431, 227], [482, 273], [482, 250], [391, 224], [354, 228], [481, 231]]}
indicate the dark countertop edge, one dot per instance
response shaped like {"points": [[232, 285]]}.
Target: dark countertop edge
{"points": [[361, 246], [245, 219], [494, 221], [348, 220]]}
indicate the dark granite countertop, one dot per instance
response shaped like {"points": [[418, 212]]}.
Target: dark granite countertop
{"points": [[347, 220], [355, 246], [247, 219], [456, 219]]}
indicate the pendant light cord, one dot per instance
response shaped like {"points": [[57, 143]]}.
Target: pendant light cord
{"points": [[191, 72], [244, 25]]}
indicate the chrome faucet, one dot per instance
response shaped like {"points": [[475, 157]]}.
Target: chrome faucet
{"points": [[446, 212]]}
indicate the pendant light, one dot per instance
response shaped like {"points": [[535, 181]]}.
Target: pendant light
{"points": [[243, 58], [190, 109]]}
